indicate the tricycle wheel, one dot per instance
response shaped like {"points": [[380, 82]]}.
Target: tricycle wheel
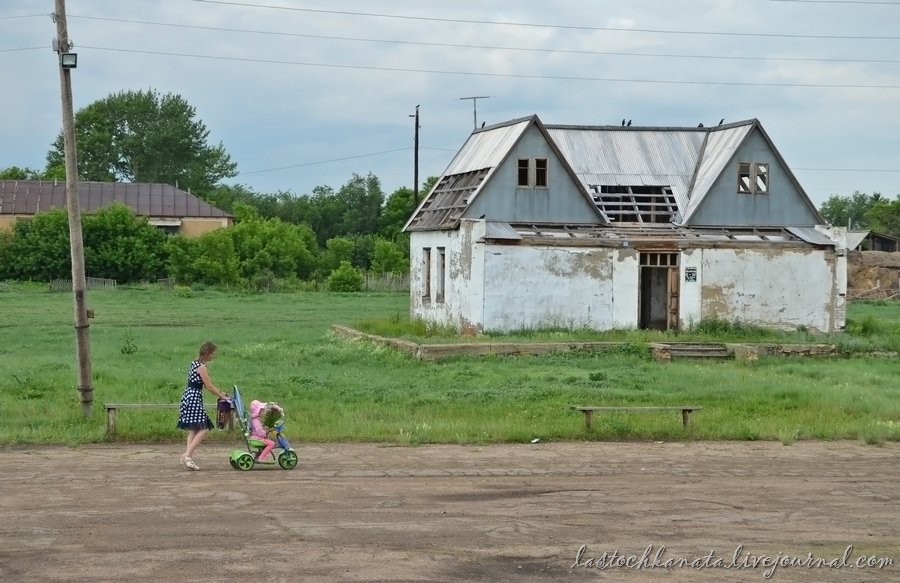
{"points": [[245, 462], [288, 459]]}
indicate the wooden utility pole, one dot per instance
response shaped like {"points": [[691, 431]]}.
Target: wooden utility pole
{"points": [[416, 170], [79, 283]]}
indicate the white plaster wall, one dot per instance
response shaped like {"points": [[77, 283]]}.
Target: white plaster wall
{"points": [[428, 308], [540, 287], [770, 287], [626, 268], [690, 301]]}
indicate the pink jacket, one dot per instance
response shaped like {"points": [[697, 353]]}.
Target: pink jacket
{"points": [[256, 427]]}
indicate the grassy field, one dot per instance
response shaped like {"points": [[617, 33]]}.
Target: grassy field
{"points": [[279, 347]]}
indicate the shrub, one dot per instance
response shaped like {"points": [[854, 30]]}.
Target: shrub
{"points": [[345, 279]]}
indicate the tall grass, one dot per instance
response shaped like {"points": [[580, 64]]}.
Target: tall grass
{"points": [[278, 347]]}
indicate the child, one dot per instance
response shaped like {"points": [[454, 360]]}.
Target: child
{"points": [[258, 431]]}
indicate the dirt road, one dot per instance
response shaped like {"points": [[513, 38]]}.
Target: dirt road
{"points": [[130, 512]]}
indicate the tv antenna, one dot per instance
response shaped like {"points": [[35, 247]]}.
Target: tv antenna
{"points": [[474, 108]]}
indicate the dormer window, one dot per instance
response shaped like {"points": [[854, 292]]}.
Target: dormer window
{"points": [[533, 173], [753, 178]]}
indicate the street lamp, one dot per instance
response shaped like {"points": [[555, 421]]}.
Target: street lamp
{"points": [[68, 60]]}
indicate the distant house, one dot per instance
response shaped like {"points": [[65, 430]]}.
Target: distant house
{"points": [[603, 227], [170, 209], [872, 241]]}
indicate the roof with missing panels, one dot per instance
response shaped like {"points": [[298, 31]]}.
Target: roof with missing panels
{"points": [[681, 163], [28, 197]]}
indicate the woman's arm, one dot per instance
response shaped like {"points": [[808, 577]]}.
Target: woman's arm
{"points": [[204, 376]]}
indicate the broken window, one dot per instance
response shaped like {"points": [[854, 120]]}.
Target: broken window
{"points": [[753, 178], [524, 173], [426, 273], [442, 270], [636, 204], [540, 173]]}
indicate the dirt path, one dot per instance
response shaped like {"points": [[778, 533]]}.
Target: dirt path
{"points": [[447, 513]]}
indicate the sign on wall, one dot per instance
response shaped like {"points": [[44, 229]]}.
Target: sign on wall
{"points": [[690, 274]]}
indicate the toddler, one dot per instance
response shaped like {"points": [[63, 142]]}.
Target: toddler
{"points": [[258, 431]]}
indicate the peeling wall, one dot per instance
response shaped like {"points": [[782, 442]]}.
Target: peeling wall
{"points": [[770, 287], [510, 286], [462, 305], [542, 287]]}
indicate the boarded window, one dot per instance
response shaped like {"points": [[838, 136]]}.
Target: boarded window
{"points": [[540, 173], [426, 273], [524, 173], [753, 178]]}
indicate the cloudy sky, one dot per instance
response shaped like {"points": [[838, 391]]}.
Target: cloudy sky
{"points": [[305, 93]]}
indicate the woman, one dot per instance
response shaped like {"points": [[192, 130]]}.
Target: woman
{"points": [[192, 415]]}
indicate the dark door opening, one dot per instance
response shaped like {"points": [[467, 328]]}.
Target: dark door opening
{"points": [[659, 287]]}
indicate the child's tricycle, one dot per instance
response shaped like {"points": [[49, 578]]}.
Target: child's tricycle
{"points": [[245, 460]]}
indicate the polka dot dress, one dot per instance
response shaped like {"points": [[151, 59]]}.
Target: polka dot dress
{"points": [[192, 414]]}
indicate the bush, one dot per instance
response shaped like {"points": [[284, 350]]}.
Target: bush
{"points": [[345, 278]]}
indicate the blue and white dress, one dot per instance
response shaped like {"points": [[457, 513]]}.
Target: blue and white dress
{"points": [[192, 414]]}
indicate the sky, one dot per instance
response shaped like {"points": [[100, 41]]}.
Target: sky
{"points": [[304, 93]]}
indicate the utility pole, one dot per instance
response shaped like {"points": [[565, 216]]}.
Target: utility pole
{"points": [[475, 109], [416, 171], [67, 61]]}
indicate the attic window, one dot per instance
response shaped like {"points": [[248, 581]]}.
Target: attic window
{"points": [[753, 178], [533, 173], [540, 173], [636, 204], [524, 173]]}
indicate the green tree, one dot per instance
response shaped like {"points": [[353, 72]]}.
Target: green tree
{"points": [[389, 257], [39, 249], [337, 250], [397, 210], [120, 246], [145, 137], [841, 211], [16, 173], [884, 216]]}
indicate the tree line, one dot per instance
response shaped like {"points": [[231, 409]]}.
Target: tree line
{"points": [[328, 235]]}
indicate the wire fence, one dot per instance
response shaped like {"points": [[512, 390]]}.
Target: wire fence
{"points": [[93, 283]]}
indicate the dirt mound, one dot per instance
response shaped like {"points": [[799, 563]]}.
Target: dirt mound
{"points": [[870, 270]]}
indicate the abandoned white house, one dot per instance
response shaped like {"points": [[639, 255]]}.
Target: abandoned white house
{"points": [[605, 227]]}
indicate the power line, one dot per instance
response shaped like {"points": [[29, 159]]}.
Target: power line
{"points": [[846, 169], [838, 2], [22, 16], [499, 75], [558, 26], [485, 47], [23, 49], [326, 161]]}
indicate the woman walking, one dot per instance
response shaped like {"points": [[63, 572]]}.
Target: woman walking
{"points": [[192, 414]]}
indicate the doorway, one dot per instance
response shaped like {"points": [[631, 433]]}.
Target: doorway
{"points": [[659, 291]]}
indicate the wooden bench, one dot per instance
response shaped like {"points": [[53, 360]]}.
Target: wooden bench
{"points": [[589, 412], [111, 409]]}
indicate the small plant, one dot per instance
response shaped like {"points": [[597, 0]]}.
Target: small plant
{"points": [[272, 416], [128, 345]]}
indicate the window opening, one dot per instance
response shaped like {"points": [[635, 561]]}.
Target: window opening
{"points": [[426, 273], [524, 167], [441, 274], [636, 204], [753, 178], [540, 173]]}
